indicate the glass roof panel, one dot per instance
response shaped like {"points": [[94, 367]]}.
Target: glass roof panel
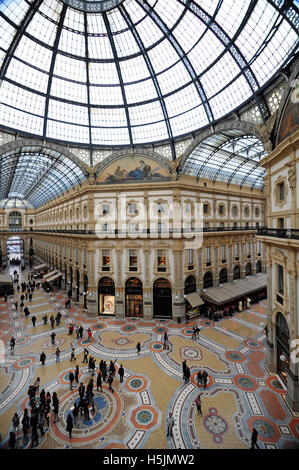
{"points": [[183, 64]]}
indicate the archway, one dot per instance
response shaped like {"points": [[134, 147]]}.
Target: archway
{"points": [[258, 266], [236, 272], [248, 269], [208, 280], [282, 346], [190, 285], [106, 296], [15, 251], [162, 297], [223, 276], [134, 297]]}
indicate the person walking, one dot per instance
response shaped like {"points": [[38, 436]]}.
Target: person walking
{"points": [[254, 439], [138, 347], [37, 384], [73, 354], [57, 353], [30, 296], [112, 368], [170, 424], [33, 319], [99, 381], [52, 320], [72, 378], [77, 374], [110, 381], [57, 319], [69, 425], [12, 343], [92, 365], [204, 378], [25, 423], [121, 373], [184, 366], [45, 318], [198, 404], [53, 338], [81, 390], [43, 358], [89, 332], [75, 415], [56, 412], [16, 305], [81, 331]]}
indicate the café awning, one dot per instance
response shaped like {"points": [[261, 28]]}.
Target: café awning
{"points": [[194, 299], [52, 278], [47, 276], [230, 291]]}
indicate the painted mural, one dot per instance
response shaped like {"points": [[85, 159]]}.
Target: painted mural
{"points": [[290, 119], [133, 169]]}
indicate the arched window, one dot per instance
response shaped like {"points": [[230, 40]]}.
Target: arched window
{"points": [[236, 272], [259, 266], [208, 280], [15, 220], [223, 276], [248, 269]]}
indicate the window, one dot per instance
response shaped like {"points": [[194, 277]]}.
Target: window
{"points": [[257, 212], [208, 255], [280, 223], [84, 257], [221, 224], [237, 250], [160, 207], [248, 249], [70, 253], [105, 227], [105, 209], [161, 260], [132, 208], [221, 209], [235, 225], [77, 254], [234, 210], [246, 211], [105, 260], [281, 191], [133, 228], [223, 253], [133, 260], [206, 208], [206, 224], [280, 286], [190, 258], [258, 248]]}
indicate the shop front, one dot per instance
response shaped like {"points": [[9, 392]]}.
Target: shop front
{"points": [[134, 297], [106, 296]]}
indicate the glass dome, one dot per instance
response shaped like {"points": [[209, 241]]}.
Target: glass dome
{"points": [[133, 72]]}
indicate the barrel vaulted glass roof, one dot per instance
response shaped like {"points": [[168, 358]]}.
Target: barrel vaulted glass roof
{"points": [[229, 156], [37, 175], [131, 72]]}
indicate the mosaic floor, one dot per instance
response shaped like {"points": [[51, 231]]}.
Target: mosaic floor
{"points": [[240, 393]]}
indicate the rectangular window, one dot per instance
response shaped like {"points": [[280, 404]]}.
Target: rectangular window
{"points": [[161, 258], [132, 208], [259, 247], [237, 249], [84, 257], [190, 256], [221, 209], [160, 207], [223, 253], [280, 283], [208, 254], [206, 224], [105, 259], [280, 223], [77, 254], [281, 191], [133, 259], [206, 208], [133, 228], [105, 209], [70, 253], [248, 249]]}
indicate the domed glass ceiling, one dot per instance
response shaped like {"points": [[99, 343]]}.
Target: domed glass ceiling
{"points": [[116, 73]]}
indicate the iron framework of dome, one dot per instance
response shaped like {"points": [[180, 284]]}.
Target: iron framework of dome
{"points": [[141, 72]]}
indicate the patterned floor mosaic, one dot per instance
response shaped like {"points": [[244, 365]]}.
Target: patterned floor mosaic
{"points": [[240, 393]]}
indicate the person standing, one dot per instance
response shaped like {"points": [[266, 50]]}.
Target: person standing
{"points": [[57, 353], [121, 373], [110, 381], [81, 331], [75, 414], [45, 318], [16, 305], [69, 425], [30, 296], [199, 378], [187, 374], [43, 358], [72, 378], [15, 422], [198, 404], [170, 424], [204, 378], [56, 412], [85, 354], [52, 320], [254, 439], [33, 319], [12, 343], [138, 347], [81, 390], [53, 338]]}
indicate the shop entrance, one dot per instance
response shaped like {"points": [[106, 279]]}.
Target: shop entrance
{"points": [[162, 297], [106, 296], [134, 297]]}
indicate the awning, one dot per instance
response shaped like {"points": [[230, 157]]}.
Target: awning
{"points": [[46, 276], [230, 291], [40, 266], [194, 299], [52, 278], [5, 279]]}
